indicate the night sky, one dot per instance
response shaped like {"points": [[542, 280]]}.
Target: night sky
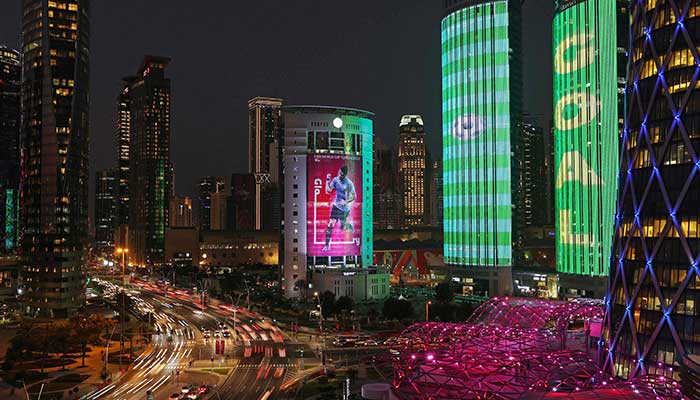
{"points": [[378, 55]]}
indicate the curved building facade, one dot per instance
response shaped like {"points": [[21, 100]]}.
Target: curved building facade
{"points": [[653, 320], [585, 44], [482, 146], [327, 217]]}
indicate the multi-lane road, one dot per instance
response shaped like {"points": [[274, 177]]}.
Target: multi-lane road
{"points": [[255, 354]]}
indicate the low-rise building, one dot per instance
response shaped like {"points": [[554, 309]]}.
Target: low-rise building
{"points": [[370, 283]]}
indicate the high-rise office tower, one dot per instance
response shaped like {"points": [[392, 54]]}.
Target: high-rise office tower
{"points": [[207, 186], [10, 73], [412, 172], [435, 193], [123, 138], [535, 199], [386, 190], [264, 124], [482, 143], [652, 324], [219, 212], [150, 170], [181, 212], [586, 133], [54, 142], [105, 209]]}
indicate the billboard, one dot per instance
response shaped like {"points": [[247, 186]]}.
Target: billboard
{"points": [[334, 205], [585, 135], [476, 136]]}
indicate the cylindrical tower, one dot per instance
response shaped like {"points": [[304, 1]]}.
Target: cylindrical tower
{"points": [[653, 323], [327, 166]]}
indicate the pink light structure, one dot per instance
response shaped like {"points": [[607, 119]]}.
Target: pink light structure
{"points": [[514, 348]]}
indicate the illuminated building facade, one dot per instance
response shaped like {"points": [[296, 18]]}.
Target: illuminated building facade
{"points": [[327, 193], [586, 129], [412, 170], [207, 186], [105, 209], [264, 119], [652, 324], [219, 212], [482, 143], [150, 169], [10, 76], [55, 143]]}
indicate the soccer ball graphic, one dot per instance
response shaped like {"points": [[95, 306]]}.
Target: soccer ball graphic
{"points": [[468, 126]]}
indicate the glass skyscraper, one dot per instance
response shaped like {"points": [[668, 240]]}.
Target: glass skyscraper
{"points": [[54, 142], [150, 169], [10, 72]]}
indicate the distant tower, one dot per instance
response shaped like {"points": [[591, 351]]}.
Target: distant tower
{"points": [[105, 209], [150, 169], [181, 212], [436, 198], [265, 123], [412, 157], [219, 212], [386, 189], [10, 72], [55, 143], [207, 186], [534, 176], [123, 138]]}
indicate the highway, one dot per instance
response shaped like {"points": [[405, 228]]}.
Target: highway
{"points": [[257, 366]]}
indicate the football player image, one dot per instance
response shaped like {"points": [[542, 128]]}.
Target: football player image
{"points": [[340, 207]]}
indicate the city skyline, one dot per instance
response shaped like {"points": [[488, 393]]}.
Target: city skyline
{"points": [[198, 96]]}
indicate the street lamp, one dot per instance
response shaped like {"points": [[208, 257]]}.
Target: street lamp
{"points": [[428, 303], [123, 251]]}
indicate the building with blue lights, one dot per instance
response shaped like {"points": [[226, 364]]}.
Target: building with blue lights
{"points": [[652, 324]]}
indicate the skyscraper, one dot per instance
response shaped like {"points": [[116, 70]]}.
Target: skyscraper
{"points": [[264, 120], [150, 169], [482, 144], [54, 142], [10, 72], [585, 133], [207, 186], [652, 324], [412, 172], [105, 209], [387, 199], [123, 138], [535, 199], [435, 193], [181, 212], [327, 191], [219, 212]]}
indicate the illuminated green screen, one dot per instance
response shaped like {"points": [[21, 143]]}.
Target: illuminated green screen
{"points": [[585, 135], [476, 136]]}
